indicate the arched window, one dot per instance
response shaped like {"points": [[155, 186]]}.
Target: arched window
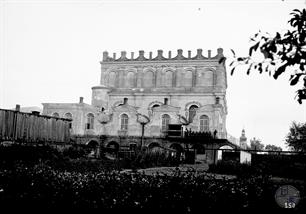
{"points": [[55, 114], [192, 112], [187, 81], [90, 121], [165, 122], [148, 79], [204, 123], [124, 122], [112, 79], [205, 77], [156, 105], [201, 78], [168, 79], [130, 83], [69, 116]]}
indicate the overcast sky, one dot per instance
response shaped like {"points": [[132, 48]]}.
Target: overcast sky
{"points": [[50, 51]]}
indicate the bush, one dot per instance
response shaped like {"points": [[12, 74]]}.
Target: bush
{"points": [[292, 166], [28, 153], [74, 152], [146, 159], [70, 159], [44, 186], [234, 168]]}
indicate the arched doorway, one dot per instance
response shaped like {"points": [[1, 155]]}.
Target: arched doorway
{"points": [[224, 148], [155, 147], [93, 149], [192, 112], [179, 151], [112, 149]]}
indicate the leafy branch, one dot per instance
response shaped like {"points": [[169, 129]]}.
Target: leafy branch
{"points": [[285, 52]]}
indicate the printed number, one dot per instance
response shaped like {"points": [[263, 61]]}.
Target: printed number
{"points": [[289, 205]]}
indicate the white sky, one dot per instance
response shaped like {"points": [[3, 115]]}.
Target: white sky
{"points": [[50, 51]]}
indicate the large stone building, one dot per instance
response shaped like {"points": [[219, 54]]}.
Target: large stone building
{"points": [[159, 90]]}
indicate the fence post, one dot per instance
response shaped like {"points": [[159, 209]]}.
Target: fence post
{"points": [[17, 109]]}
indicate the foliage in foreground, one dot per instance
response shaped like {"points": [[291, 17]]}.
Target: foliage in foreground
{"points": [[42, 185], [296, 138], [292, 167], [74, 158], [234, 168], [147, 159], [284, 52]]}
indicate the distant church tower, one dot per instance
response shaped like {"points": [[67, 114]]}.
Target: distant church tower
{"points": [[243, 140]]}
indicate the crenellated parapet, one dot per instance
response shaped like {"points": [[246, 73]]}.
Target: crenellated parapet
{"points": [[161, 57]]}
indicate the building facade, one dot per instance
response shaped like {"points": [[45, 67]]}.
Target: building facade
{"points": [[155, 91]]}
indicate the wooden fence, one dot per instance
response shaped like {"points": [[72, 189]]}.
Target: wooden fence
{"points": [[23, 127]]}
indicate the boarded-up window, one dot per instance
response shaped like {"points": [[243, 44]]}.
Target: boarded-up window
{"points": [[201, 78], [112, 79], [148, 79], [187, 80], [168, 79], [208, 78], [205, 78], [130, 82], [204, 123]]}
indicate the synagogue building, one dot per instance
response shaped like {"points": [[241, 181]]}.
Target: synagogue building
{"points": [[140, 96]]}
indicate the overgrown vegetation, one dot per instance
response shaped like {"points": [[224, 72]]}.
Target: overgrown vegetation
{"points": [[234, 168], [147, 159], [47, 187], [44, 177], [286, 166]]}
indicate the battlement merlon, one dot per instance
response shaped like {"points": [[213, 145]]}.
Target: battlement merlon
{"points": [[160, 57]]}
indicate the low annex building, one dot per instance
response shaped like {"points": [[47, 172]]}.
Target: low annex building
{"points": [[155, 91]]}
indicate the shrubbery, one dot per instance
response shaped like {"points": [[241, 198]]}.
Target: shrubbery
{"points": [[268, 165], [234, 168], [42, 185], [56, 180], [288, 166], [74, 152], [146, 159]]}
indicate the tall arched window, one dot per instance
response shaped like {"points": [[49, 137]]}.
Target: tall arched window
{"points": [[90, 121], [112, 79], [187, 80], [192, 112], [204, 123], [168, 79], [124, 122], [130, 83], [201, 78], [148, 79], [165, 122], [55, 114], [69, 116]]}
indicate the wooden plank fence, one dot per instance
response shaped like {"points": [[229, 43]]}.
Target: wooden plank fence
{"points": [[31, 128]]}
